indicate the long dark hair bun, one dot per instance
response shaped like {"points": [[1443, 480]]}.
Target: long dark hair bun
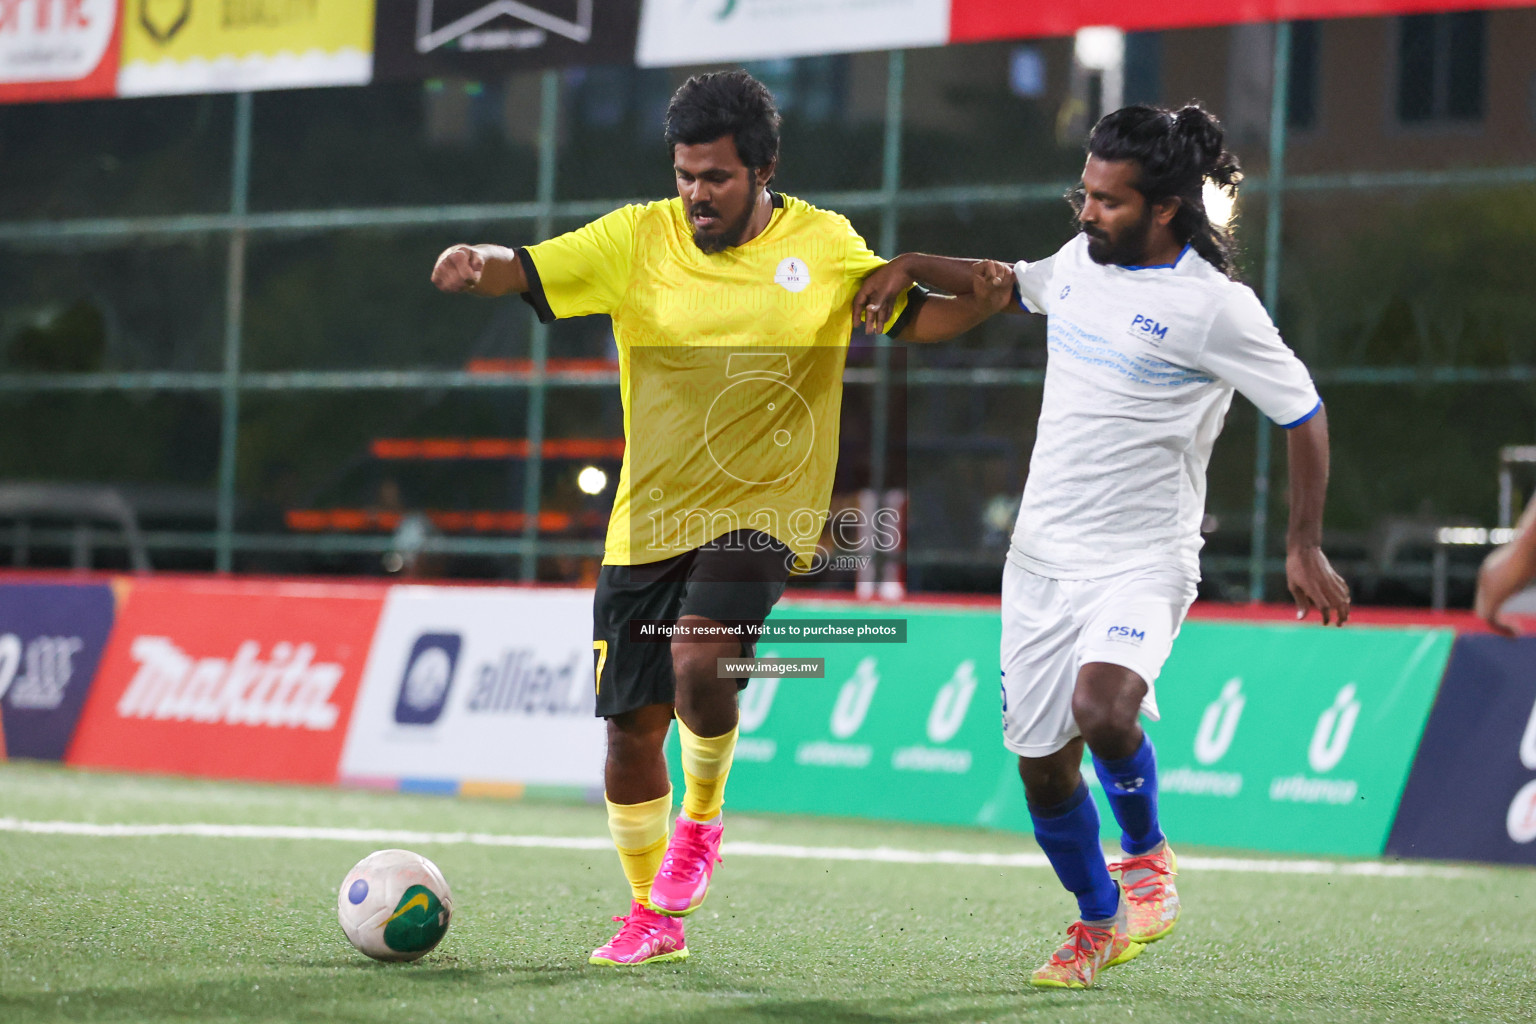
{"points": [[1176, 151]]}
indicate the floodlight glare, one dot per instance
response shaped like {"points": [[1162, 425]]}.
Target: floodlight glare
{"points": [[592, 480]]}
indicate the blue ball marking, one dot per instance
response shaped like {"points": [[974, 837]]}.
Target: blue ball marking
{"points": [[359, 891]]}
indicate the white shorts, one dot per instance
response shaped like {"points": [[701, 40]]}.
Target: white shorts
{"points": [[1052, 628]]}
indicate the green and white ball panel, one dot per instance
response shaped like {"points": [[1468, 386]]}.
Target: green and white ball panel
{"points": [[394, 905]]}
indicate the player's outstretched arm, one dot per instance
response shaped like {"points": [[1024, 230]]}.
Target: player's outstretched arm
{"points": [[876, 298], [942, 317], [1506, 571], [489, 270], [1311, 578]]}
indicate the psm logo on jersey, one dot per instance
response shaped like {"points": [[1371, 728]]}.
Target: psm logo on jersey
{"points": [[1147, 329], [1126, 635], [428, 677], [1066, 290]]}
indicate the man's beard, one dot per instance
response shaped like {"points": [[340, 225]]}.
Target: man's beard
{"points": [[727, 236], [1129, 250]]}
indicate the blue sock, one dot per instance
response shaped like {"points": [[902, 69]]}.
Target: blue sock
{"points": [[1131, 786], [1069, 835]]}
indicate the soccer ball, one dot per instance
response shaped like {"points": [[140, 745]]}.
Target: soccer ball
{"points": [[394, 905]]}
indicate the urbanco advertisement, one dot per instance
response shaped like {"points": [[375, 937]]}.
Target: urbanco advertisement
{"points": [[227, 679], [1271, 737], [472, 684]]}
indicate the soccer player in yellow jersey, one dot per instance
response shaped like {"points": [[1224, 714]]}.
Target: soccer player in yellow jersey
{"points": [[732, 311]]}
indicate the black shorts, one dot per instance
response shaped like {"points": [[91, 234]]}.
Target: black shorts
{"points": [[734, 578]]}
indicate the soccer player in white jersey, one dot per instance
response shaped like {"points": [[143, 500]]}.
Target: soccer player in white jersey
{"points": [[1148, 336]]}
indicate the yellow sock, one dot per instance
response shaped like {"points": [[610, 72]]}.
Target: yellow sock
{"points": [[706, 764], [640, 833]]}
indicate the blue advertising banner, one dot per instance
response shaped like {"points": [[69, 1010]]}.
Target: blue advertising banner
{"points": [[51, 639], [1472, 792]]}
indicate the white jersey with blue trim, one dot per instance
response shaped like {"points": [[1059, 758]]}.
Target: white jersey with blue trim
{"points": [[1140, 371]]}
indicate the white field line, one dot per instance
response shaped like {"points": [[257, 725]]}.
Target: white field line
{"points": [[874, 854]]}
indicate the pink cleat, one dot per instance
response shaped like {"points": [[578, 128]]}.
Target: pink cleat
{"points": [[645, 938], [683, 881]]}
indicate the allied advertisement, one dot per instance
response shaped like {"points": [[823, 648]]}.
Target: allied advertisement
{"points": [[481, 685], [417, 39], [1472, 794], [1286, 738], [707, 31], [51, 640], [58, 49], [224, 679], [199, 46]]}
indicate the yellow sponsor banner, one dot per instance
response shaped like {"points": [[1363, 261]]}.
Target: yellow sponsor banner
{"points": [[188, 46]]}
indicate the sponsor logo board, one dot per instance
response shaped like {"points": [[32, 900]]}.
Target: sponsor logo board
{"points": [[481, 684], [229, 680], [1290, 738], [901, 731], [199, 46], [51, 640], [417, 39], [676, 32], [1271, 737], [1472, 793], [58, 49]]}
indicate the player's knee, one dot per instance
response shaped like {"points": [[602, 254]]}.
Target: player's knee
{"points": [[694, 665], [638, 734], [1103, 718]]}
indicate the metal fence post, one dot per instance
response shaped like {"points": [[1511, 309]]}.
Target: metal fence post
{"points": [[1279, 114], [234, 315], [890, 192], [544, 225]]}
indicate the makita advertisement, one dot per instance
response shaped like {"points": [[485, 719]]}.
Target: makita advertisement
{"points": [[229, 680], [51, 639], [1472, 794], [479, 685]]}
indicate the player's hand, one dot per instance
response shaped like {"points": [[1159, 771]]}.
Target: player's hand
{"points": [[992, 283], [1499, 579], [877, 296], [1314, 584], [458, 269]]}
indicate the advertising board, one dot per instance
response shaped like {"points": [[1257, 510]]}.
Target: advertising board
{"points": [[694, 32], [484, 685], [416, 39], [195, 46], [228, 679], [51, 640], [58, 49], [1272, 737], [1472, 793]]}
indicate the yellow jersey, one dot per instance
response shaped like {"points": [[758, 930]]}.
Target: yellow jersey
{"points": [[730, 367]]}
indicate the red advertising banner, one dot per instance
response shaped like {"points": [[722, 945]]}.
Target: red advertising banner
{"points": [[241, 680], [976, 20], [58, 49]]}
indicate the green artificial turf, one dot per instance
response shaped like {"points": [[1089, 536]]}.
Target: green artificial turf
{"points": [[213, 929]]}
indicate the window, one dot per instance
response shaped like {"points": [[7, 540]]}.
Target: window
{"points": [[1441, 67]]}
